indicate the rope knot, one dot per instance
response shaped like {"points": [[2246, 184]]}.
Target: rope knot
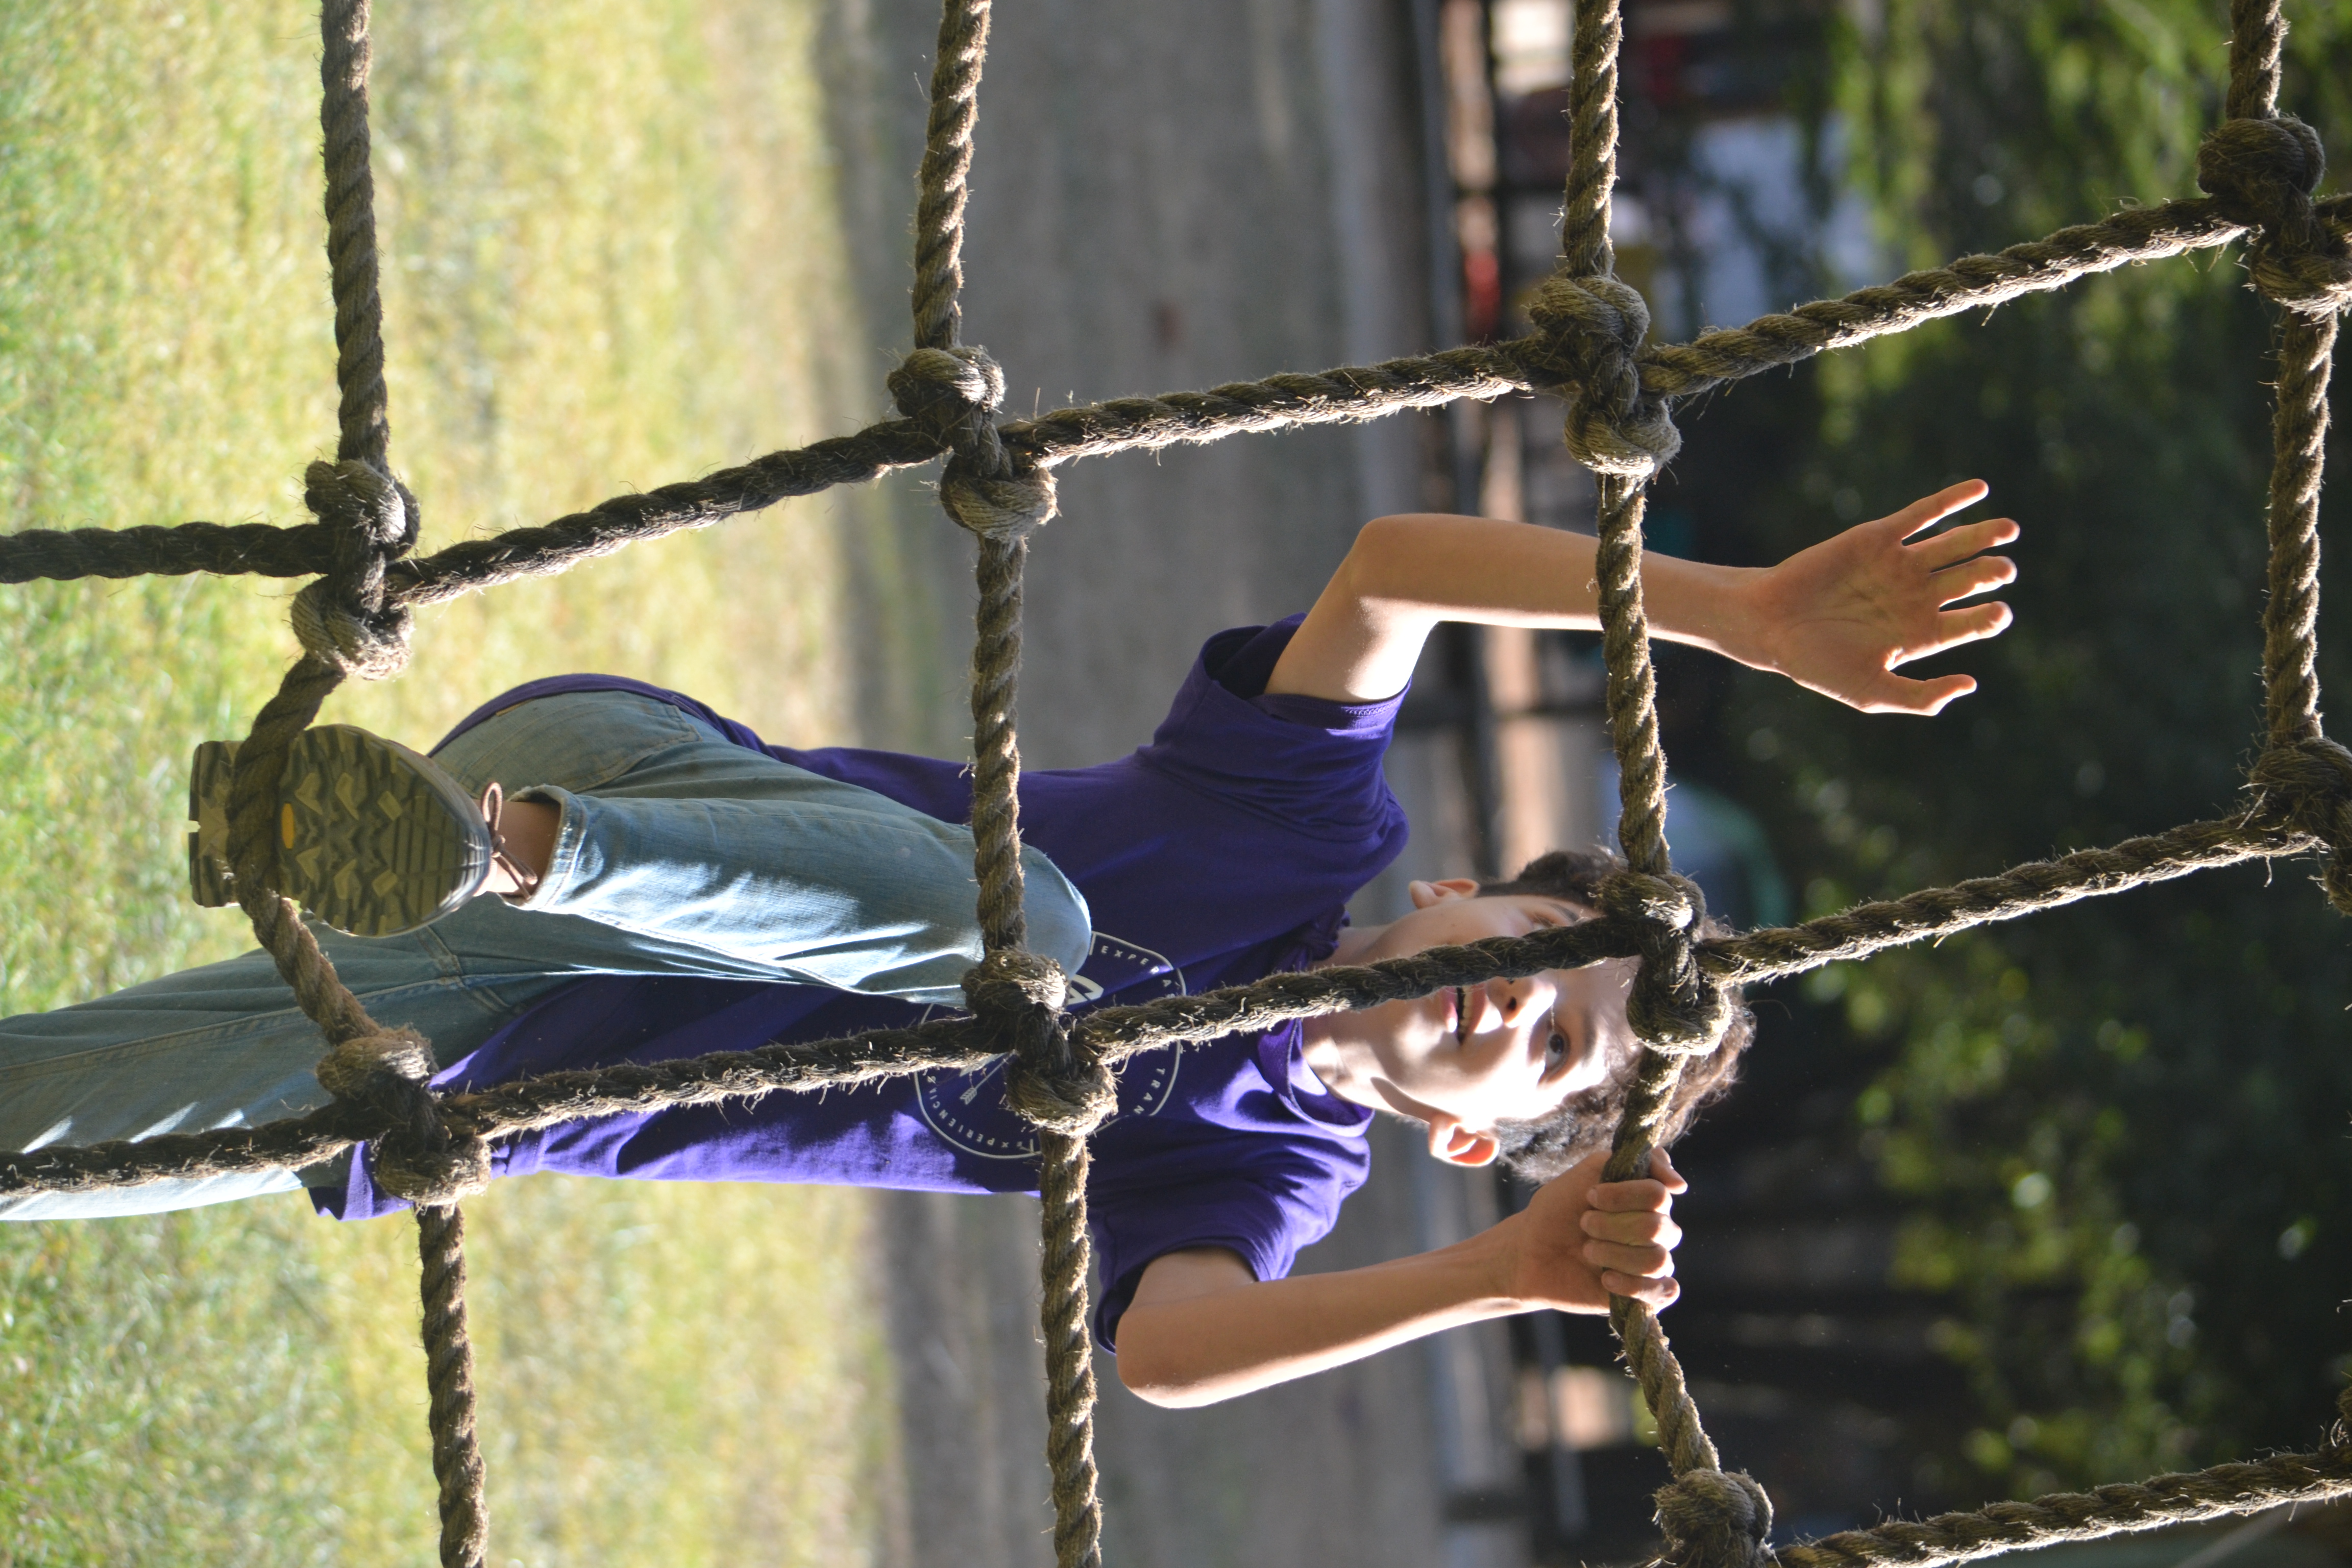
{"points": [[2307, 786], [954, 393], [945, 391], [996, 506], [1049, 1083], [2262, 173], [371, 647], [1716, 1518], [343, 617], [1590, 331], [415, 1157], [1674, 1008]]}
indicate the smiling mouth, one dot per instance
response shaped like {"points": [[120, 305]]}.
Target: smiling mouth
{"points": [[1461, 1014]]}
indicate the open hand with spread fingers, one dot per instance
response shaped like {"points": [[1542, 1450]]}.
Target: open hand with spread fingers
{"points": [[1840, 617]]}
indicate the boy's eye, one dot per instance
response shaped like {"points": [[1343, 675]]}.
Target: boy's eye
{"points": [[1555, 1052]]}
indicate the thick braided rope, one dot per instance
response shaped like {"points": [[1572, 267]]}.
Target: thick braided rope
{"points": [[1778, 951], [258, 548], [2117, 1510], [954, 393], [351, 233], [946, 170], [1111, 1035], [2291, 618], [347, 626], [1585, 248], [449, 1378], [2257, 43], [1598, 430], [996, 743], [1346, 394], [643, 515]]}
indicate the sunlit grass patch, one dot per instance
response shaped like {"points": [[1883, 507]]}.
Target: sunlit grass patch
{"points": [[611, 259], [669, 1376]]}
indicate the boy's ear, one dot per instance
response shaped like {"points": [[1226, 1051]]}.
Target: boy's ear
{"points": [[1457, 1145], [1425, 894]]}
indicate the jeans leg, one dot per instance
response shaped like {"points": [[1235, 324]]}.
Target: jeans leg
{"points": [[680, 853], [219, 1045]]}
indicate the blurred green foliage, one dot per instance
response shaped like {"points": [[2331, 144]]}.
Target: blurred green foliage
{"points": [[2120, 1130]]}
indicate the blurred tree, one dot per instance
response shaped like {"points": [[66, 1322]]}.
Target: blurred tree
{"points": [[2120, 1130]]}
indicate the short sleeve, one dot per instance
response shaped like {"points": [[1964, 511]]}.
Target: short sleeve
{"points": [[1252, 1163], [1267, 1209], [1312, 764]]}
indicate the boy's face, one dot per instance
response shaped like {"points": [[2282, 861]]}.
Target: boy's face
{"points": [[1466, 1059]]}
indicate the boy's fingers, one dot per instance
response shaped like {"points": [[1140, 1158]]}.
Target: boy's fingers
{"points": [[1972, 577], [1654, 1294], [1902, 695], [1621, 1197], [1973, 624], [1662, 1166], [1633, 1229], [1934, 509], [1954, 544], [1642, 1262]]}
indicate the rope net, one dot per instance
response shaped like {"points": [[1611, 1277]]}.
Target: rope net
{"points": [[1591, 346]]}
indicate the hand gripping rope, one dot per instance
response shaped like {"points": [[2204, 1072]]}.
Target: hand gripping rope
{"points": [[1591, 345]]}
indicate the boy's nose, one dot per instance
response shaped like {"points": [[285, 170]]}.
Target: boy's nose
{"points": [[1517, 999]]}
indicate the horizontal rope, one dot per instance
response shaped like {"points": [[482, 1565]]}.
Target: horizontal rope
{"points": [[952, 1044], [2119, 1509], [640, 515], [1346, 393], [286, 1144], [1114, 1034], [1781, 951], [1972, 282], [261, 549]]}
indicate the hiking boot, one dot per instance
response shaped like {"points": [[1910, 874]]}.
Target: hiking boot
{"points": [[372, 838]]}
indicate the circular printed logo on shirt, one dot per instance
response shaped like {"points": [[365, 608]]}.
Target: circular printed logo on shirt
{"points": [[967, 1110]]}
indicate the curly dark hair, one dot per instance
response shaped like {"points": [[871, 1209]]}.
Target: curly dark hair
{"points": [[1539, 1150]]}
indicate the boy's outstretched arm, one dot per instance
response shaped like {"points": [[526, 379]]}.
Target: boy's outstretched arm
{"points": [[1201, 1328], [1837, 618]]}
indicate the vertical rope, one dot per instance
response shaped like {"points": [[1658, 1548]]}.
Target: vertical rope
{"points": [[1063, 1159], [1632, 691], [996, 743], [1586, 252], [350, 234], [449, 1375], [2257, 39], [947, 163], [1584, 244], [1063, 1165], [365, 436], [2291, 619]]}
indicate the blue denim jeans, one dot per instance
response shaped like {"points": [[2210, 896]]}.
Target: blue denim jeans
{"points": [[676, 852]]}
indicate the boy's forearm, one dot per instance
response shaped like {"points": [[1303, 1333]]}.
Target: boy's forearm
{"points": [[1199, 1350], [1409, 573], [1513, 573]]}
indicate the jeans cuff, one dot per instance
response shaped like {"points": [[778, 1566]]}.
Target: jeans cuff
{"points": [[564, 858]]}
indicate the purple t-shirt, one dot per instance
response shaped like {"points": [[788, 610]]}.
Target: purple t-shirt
{"points": [[1225, 850]]}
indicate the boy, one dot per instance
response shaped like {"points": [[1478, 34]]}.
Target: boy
{"points": [[669, 885]]}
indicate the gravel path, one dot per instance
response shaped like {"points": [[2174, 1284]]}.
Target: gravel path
{"points": [[1165, 195]]}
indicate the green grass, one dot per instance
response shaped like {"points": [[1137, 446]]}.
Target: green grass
{"points": [[611, 259]]}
